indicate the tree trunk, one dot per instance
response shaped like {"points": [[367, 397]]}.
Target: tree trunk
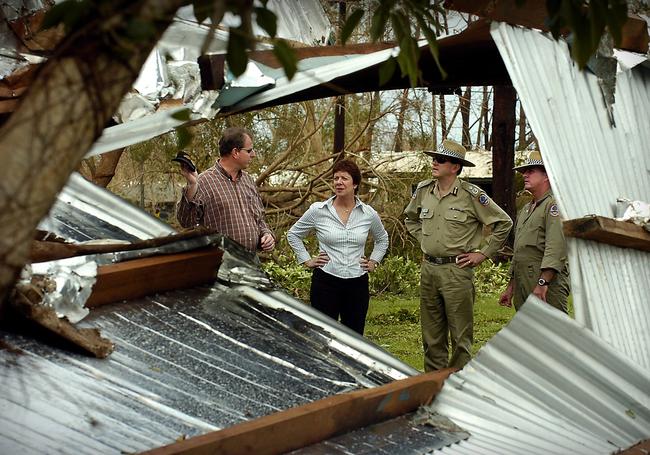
{"points": [[105, 169], [465, 101], [443, 119], [503, 149], [485, 112], [399, 130], [63, 113], [521, 142], [339, 109], [434, 124], [339, 128]]}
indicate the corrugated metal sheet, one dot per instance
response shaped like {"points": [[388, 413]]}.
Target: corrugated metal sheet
{"points": [[185, 363], [546, 385], [83, 211], [590, 164], [312, 77]]}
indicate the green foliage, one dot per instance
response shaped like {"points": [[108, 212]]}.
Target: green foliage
{"points": [[287, 57], [138, 29], [350, 24], [401, 316], [588, 22], [183, 115], [294, 278], [236, 58], [267, 20], [396, 275], [184, 137], [491, 278], [71, 13], [386, 70]]}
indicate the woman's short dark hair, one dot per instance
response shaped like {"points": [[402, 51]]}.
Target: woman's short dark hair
{"points": [[233, 137], [351, 168]]}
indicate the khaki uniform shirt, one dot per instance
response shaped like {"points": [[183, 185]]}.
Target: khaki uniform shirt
{"points": [[539, 240], [453, 224]]}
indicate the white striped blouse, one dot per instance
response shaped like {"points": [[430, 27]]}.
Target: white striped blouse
{"points": [[343, 243]]}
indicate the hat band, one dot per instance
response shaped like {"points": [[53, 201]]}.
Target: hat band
{"points": [[534, 163], [445, 151]]}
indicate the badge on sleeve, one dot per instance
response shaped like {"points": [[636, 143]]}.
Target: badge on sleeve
{"points": [[484, 199], [553, 210]]}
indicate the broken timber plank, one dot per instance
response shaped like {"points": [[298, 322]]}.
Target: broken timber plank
{"points": [[314, 422], [140, 277], [26, 301], [642, 448], [609, 231]]}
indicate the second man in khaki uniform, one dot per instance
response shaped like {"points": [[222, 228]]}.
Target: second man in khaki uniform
{"points": [[539, 261], [447, 216]]}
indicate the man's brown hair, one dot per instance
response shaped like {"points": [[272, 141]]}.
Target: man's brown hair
{"points": [[233, 137]]}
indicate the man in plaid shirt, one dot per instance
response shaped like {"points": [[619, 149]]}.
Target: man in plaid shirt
{"points": [[225, 198]]}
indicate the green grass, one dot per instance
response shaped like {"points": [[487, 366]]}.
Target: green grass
{"points": [[393, 323]]}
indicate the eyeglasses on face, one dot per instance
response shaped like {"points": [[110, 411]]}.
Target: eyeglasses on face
{"points": [[248, 150]]}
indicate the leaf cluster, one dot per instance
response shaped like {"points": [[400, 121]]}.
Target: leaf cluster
{"points": [[588, 21], [490, 278], [399, 16], [241, 37]]}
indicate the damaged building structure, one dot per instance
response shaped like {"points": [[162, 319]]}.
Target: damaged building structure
{"points": [[162, 359]]}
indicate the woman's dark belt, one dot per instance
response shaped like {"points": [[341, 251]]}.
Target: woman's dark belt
{"points": [[439, 260]]}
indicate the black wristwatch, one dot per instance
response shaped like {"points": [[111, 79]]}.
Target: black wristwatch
{"points": [[543, 282]]}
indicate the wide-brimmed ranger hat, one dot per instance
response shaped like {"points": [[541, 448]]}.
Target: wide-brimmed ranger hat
{"points": [[452, 150], [534, 159]]}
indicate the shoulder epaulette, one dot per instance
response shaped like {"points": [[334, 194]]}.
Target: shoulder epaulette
{"points": [[471, 188], [424, 183]]}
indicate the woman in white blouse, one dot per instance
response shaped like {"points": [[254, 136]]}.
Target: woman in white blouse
{"points": [[339, 284]]}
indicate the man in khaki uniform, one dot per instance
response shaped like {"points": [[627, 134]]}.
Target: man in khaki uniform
{"points": [[539, 263], [447, 216]]}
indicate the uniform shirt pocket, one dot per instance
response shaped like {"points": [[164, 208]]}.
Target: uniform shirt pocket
{"points": [[455, 215], [426, 219], [530, 237]]}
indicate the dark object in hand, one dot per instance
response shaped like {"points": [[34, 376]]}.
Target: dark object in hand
{"points": [[184, 159]]}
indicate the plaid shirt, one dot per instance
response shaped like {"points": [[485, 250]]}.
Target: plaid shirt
{"points": [[232, 208]]}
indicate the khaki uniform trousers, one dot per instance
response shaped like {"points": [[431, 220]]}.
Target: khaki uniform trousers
{"points": [[446, 312], [526, 275]]}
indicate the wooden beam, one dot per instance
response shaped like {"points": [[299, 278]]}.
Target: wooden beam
{"points": [[609, 231], [314, 422], [8, 106], [642, 448], [533, 14], [48, 247], [140, 277]]}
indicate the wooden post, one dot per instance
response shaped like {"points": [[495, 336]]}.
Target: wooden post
{"points": [[339, 108], [503, 149]]}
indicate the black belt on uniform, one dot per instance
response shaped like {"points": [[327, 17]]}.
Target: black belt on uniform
{"points": [[438, 260]]}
